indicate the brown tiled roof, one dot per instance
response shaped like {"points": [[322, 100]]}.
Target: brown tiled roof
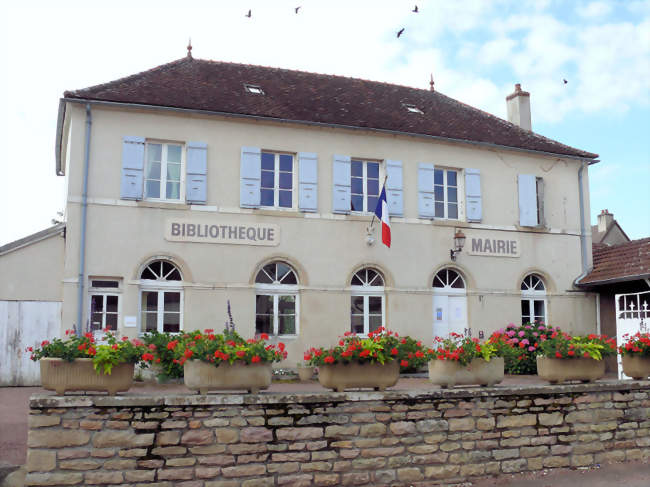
{"points": [[624, 262], [315, 98]]}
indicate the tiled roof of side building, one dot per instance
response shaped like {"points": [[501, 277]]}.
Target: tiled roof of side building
{"points": [[316, 98], [627, 261]]}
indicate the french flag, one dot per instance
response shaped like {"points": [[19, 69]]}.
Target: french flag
{"points": [[382, 215]]}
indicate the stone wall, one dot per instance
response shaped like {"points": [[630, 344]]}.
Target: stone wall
{"points": [[396, 438]]}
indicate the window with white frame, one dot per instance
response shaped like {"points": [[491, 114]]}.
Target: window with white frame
{"points": [[367, 303], [104, 309], [161, 297], [533, 299], [448, 280], [365, 185], [446, 184], [278, 180], [164, 171], [276, 300]]}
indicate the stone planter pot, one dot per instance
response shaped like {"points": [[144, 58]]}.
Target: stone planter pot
{"points": [[61, 376], [305, 373], [563, 369], [636, 367], [448, 373], [346, 376], [204, 377]]}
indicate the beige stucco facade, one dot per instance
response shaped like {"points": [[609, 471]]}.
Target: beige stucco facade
{"points": [[324, 248]]}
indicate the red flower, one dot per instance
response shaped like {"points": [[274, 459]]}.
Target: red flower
{"points": [[115, 346], [88, 334], [125, 339], [394, 351], [255, 359], [44, 343], [281, 346], [188, 353], [571, 353], [306, 357], [365, 353], [558, 355], [404, 363], [329, 359], [147, 357], [240, 353], [586, 354], [171, 345], [152, 346], [264, 336]]}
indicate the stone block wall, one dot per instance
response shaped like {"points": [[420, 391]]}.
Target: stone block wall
{"points": [[392, 438]]}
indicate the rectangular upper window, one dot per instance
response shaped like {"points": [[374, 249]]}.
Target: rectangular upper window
{"points": [[164, 171], [365, 185], [256, 90], [277, 180], [445, 192]]}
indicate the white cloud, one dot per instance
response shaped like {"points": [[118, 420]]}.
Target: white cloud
{"points": [[594, 10]]}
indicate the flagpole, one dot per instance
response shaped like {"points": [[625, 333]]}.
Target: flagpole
{"points": [[372, 222]]}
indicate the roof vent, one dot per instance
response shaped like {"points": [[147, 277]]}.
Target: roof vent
{"points": [[256, 90], [412, 108]]}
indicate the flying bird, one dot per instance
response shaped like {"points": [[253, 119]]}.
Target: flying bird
{"points": [[297, 8], [565, 81], [415, 10], [248, 14], [400, 32]]}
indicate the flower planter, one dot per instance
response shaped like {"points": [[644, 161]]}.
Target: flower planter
{"points": [[305, 373], [449, 373], [61, 376], [583, 369], [204, 377], [636, 367], [346, 376]]}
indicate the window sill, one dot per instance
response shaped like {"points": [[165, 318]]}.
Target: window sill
{"points": [[181, 205], [284, 212]]}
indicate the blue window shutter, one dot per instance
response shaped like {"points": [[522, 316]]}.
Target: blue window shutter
{"points": [[527, 200], [197, 173], [426, 207], [473, 195], [250, 177], [132, 182], [394, 188], [342, 184], [307, 181]]}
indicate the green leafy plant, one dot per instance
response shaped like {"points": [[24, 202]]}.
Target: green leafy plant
{"points": [[518, 345], [104, 356], [564, 346], [637, 345], [461, 349], [164, 354]]}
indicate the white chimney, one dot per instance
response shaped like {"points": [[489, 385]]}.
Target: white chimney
{"points": [[605, 219], [519, 108]]}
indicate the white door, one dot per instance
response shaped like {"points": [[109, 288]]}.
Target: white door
{"points": [[441, 316], [458, 315], [449, 304], [632, 316]]}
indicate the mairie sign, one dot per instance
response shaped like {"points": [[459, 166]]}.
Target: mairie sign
{"points": [[177, 230], [491, 246]]}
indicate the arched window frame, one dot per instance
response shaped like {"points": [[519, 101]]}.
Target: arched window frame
{"points": [[533, 299], [365, 295], [276, 291], [162, 289], [449, 281]]}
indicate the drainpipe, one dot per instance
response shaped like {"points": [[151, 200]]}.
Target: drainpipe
{"points": [[583, 231], [84, 211]]}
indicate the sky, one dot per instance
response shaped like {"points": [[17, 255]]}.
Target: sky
{"points": [[476, 50]]}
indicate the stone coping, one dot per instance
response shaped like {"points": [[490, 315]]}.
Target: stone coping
{"points": [[197, 400]]}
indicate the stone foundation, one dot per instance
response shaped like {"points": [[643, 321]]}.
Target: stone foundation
{"points": [[392, 438]]}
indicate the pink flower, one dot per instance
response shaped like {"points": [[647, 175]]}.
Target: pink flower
{"points": [[515, 340], [511, 333], [535, 334], [531, 349], [521, 333], [525, 341]]}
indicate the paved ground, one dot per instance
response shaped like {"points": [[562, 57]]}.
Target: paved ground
{"points": [[14, 404]]}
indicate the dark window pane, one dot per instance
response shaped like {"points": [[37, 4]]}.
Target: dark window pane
{"points": [[150, 321], [152, 189], [166, 268], [451, 178], [266, 197], [282, 270], [374, 322], [287, 305], [373, 170], [452, 195], [372, 203], [148, 274], [286, 180], [356, 203], [374, 304], [268, 160], [357, 186], [456, 281], [286, 162], [264, 324], [440, 210], [287, 325], [538, 306], [357, 324], [370, 277], [290, 278], [149, 301], [439, 193], [285, 199], [452, 211], [175, 275], [97, 303], [356, 305], [525, 307], [373, 187], [438, 176], [268, 179], [171, 322], [111, 304], [263, 278], [356, 281], [263, 305], [96, 283], [95, 321], [172, 301], [111, 321], [357, 168]]}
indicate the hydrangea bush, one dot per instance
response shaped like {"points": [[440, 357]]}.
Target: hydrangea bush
{"points": [[519, 345]]}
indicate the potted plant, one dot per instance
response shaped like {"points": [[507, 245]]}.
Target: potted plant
{"points": [[518, 345], [358, 362], [163, 366], [562, 357], [460, 360], [635, 355], [77, 363], [226, 361], [305, 370]]}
